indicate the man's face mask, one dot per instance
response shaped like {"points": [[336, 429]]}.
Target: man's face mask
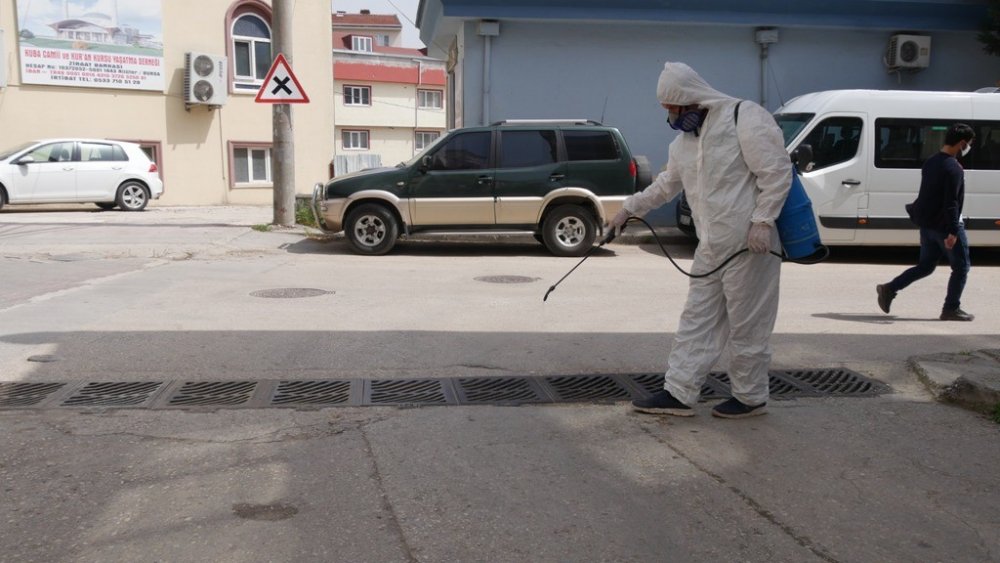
{"points": [[968, 147], [688, 119]]}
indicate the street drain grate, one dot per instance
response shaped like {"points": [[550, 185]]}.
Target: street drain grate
{"points": [[26, 394], [112, 394], [507, 279], [504, 390], [289, 293]]}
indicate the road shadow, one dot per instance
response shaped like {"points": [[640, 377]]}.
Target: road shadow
{"points": [[512, 246], [870, 319]]}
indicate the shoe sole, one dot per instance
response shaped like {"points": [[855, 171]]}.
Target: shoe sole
{"points": [[672, 412], [755, 412]]}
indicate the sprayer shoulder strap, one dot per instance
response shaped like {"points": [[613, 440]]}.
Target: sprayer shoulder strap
{"points": [[736, 125]]}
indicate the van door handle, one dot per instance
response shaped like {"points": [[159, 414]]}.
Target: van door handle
{"points": [[851, 182], [556, 177], [484, 180]]}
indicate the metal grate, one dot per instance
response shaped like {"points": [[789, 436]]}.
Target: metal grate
{"points": [[587, 388], [506, 279], [312, 393], [26, 394], [289, 293], [406, 391], [498, 390], [840, 382], [210, 393], [113, 394]]}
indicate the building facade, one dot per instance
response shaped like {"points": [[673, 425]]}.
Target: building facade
{"points": [[389, 100], [71, 72]]}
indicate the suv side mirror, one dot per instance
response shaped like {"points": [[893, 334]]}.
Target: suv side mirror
{"points": [[425, 163], [802, 157], [26, 159]]}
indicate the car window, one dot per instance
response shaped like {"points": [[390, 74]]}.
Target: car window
{"points": [[90, 152], [520, 149], [465, 151], [53, 152], [590, 145], [834, 140]]}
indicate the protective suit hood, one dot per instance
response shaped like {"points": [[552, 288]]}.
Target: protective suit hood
{"points": [[680, 85]]}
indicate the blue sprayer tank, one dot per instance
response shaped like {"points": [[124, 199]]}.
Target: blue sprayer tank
{"points": [[797, 224]]}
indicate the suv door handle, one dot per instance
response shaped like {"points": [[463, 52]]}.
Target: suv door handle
{"points": [[484, 180], [851, 182], [556, 177]]}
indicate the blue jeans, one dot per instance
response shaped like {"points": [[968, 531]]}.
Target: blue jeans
{"points": [[931, 249]]}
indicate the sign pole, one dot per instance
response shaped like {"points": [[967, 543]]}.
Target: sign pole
{"points": [[283, 148]]}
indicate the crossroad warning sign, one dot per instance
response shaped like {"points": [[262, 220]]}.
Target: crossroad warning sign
{"points": [[281, 86]]}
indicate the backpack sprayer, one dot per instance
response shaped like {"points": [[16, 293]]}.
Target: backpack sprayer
{"points": [[796, 228]]}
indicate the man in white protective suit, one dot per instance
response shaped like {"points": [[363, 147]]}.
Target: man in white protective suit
{"points": [[731, 161]]}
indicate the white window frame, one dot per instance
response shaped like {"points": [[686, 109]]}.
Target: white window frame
{"points": [[265, 182], [426, 99], [349, 99], [381, 39], [356, 136], [427, 138], [248, 83], [362, 43]]}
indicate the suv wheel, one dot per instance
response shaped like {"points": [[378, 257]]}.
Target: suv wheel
{"points": [[569, 230], [371, 229]]}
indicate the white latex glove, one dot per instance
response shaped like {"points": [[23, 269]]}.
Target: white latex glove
{"points": [[759, 239], [618, 220]]}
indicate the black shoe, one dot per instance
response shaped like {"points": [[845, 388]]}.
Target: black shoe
{"points": [[956, 315], [732, 408], [662, 403], [885, 297]]}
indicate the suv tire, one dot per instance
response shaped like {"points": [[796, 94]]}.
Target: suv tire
{"points": [[371, 229], [569, 230]]}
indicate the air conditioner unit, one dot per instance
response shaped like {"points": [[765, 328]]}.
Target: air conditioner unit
{"points": [[204, 79], [909, 51]]}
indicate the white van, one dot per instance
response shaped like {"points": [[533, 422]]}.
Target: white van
{"points": [[868, 147]]}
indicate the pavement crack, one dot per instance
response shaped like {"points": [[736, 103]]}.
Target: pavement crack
{"points": [[387, 506], [763, 512]]}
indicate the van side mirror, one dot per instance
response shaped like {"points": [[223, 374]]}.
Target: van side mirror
{"points": [[802, 157], [425, 163]]}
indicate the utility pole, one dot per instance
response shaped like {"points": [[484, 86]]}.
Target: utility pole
{"points": [[283, 149]]}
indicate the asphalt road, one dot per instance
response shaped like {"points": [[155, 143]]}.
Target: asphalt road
{"points": [[169, 294]]}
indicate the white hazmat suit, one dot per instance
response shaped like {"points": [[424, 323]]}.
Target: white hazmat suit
{"points": [[733, 177]]}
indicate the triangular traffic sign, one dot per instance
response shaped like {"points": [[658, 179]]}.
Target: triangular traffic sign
{"points": [[281, 86]]}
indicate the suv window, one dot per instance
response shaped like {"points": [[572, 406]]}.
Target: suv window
{"points": [[834, 140], [520, 149], [465, 151], [590, 145]]}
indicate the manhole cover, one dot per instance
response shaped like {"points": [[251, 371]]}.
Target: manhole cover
{"points": [[289, 293], [506, 279]]}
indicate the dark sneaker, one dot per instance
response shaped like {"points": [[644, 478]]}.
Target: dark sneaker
{"points": [[662, 403], [732, 408], [885, 297], [956, 315]]}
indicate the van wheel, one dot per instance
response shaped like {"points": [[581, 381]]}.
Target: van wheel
{"points": [[371, 229], [569, 230]]}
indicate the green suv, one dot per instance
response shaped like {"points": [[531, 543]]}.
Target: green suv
{"points": [[557, 180]]}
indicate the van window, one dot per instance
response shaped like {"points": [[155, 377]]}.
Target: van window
{"points": [[906, 143], [519, 149], [834, 140], [590, 145], [985, 153], [792, 123]]}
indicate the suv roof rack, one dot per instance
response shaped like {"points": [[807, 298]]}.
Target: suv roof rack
{"points": [[535, 121]]}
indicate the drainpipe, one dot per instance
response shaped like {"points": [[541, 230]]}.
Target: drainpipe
{"points": [[764, 36], [488, 29]]}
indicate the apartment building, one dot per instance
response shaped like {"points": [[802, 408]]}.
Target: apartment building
{"points": [[389, 100]]}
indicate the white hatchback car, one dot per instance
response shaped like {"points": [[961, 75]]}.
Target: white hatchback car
{"points": [[108, 173]]}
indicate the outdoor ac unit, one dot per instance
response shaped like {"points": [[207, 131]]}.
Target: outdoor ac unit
{"points": [[205, 79], [909, 51]]}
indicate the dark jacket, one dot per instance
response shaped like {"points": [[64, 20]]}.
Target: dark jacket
{"points": [[942, 194]]}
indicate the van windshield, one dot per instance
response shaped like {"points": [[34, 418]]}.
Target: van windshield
{"points": [[792, 123]]}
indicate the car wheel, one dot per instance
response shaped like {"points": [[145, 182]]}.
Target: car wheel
{"points": [[569, 230], [644, 173], [132, 196], [106, 206], [371, 229], [685, 221]]}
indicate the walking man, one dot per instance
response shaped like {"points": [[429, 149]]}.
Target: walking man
{"points": [[731, 161], [938, 212]]}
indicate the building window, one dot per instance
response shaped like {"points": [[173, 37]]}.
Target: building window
{"points": [[382, 40], [361, 43], [357, 96], [429, 99], [423, 139], [251, 165], [355, 140], [251, 51]]}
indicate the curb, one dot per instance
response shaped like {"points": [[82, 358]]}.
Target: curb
{"points": [[970, 379]]}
